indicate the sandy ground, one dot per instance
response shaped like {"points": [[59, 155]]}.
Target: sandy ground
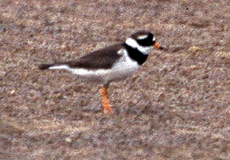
{"points": [[176, 107]]}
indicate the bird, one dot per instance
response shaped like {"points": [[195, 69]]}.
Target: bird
{"points": [[112, 63]]}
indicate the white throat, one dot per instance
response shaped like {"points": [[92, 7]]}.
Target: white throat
{"points": [[132, 43]]}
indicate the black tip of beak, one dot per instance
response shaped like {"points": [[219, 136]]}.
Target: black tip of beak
{"points": [[158, 46], [161, 47]]}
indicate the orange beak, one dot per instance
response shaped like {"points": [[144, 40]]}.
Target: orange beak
{"points": [[158, 46]]}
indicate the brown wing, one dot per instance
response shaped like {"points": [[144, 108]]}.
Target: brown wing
{"points": [[100, 59]]}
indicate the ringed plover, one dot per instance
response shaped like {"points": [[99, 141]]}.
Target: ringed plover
{"points": [[111, 63]]}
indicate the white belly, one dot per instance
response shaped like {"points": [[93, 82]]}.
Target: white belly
{"points": [[123, 68]]}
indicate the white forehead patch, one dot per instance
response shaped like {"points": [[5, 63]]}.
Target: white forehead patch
{"points": [[154, 38], [142, 37]]}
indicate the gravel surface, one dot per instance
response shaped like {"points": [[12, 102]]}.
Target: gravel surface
{"points": [[176, 107]]}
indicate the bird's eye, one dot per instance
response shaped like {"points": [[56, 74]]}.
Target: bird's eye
{"points": [[154, 39], [142, 37]]}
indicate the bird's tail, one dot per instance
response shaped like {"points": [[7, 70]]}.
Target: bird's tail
{"points": [[45, 66], [53, 66]]}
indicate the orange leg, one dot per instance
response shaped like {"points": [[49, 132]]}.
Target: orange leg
{"points": [[106, 100]]}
